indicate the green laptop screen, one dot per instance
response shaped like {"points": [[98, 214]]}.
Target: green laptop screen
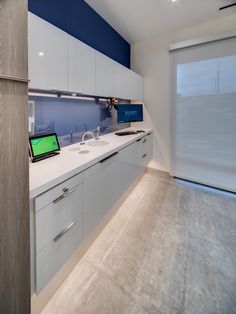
{"points": [[43, 145]]}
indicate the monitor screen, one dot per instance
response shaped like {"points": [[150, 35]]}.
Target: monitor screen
{"points": [[129, 113], [44, 144]]}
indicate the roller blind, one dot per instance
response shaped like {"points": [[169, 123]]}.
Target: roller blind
{"points": [[203, 114]]}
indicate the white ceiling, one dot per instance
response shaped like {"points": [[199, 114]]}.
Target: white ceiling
{"points": [[137, 20]]}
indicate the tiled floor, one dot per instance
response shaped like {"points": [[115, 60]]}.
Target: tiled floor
{"points": [[171, 248]]}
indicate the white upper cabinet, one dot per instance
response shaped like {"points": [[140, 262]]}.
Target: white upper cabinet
{"points": [[81, 67], [135, 86], [121, 81], [47, 55], [105, 75], [128, 84], [58, 61]]}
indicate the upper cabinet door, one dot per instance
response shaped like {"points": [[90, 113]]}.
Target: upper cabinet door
{"points": [[105, 75], [135, 86], [121, 81], [81, 67], [47, 55]]}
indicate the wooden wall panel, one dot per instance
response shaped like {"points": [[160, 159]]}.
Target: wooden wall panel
{"points": [[14, 163], [13, 38], [14, 198]]}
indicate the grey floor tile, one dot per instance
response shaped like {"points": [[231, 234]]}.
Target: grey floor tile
{"points": [[170, 249]]}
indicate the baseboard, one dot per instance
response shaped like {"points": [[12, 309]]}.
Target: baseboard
{"points": [[159, 173]]}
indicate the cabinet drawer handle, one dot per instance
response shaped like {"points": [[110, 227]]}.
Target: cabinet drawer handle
{"points": [[65, 194], [101, 161], [138, 140], [64, 231], [145, 155]]}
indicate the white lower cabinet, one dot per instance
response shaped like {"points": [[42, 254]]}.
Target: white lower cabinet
{"points": [[67, 213], [54, 256], [107, 181], [97, 192], [144, 151], [126, 169], [58, 228]]}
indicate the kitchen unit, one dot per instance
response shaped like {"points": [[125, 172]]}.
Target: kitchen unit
{"points": [[60, 62], [72, 193]]}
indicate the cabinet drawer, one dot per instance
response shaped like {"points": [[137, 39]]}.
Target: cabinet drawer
{"points": [[51, 220], [144, 150], [55, 254], [54, 193]]}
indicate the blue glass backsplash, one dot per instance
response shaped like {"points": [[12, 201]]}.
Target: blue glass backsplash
{"points": [[70, 118]]}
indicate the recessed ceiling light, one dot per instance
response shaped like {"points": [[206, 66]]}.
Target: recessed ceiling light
{"points": [[173, 0], [41, 53]]}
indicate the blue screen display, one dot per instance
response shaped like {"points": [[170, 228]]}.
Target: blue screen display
{"points": [[129, 113]]}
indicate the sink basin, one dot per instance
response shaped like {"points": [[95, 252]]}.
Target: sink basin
{"points": [[83, 152], [98, 143]]}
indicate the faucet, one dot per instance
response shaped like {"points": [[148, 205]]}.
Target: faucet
{"points": [[85, 134], [71, 136], [97, 132]]}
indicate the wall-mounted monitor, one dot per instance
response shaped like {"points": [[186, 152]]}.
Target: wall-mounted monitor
{"points": [[129, 113]]}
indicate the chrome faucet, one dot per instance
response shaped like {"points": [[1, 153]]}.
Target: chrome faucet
{"points": [[71, 136], [97, 132], [85, 134]]}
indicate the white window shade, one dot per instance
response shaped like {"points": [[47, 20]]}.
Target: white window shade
{"points": [[203, 114]]}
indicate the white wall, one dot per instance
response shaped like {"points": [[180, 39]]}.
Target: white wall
{"points": [[150, 58]]}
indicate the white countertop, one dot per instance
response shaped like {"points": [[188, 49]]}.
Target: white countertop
{"points": [[49, 172]]}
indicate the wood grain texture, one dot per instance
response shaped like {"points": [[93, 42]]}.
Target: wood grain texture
{"points": [[13, 38], [14, 196], [14, 167], [14, 216]]}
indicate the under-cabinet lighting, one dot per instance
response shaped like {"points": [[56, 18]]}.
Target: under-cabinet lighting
{"points": [[42, 95], [73, 96], [102, 99], [41, 53], [77, 97]]}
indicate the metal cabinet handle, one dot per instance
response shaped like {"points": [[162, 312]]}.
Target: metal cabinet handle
{"points": [[64, 231], [101, 161], [65, 194], [145, 155], [145, 140]]}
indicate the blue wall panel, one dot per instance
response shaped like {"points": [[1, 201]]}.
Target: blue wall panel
{"points": [[78, 19]]}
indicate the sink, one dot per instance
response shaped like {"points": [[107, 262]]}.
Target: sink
{"points": [[83, 152], [98, 143]]}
